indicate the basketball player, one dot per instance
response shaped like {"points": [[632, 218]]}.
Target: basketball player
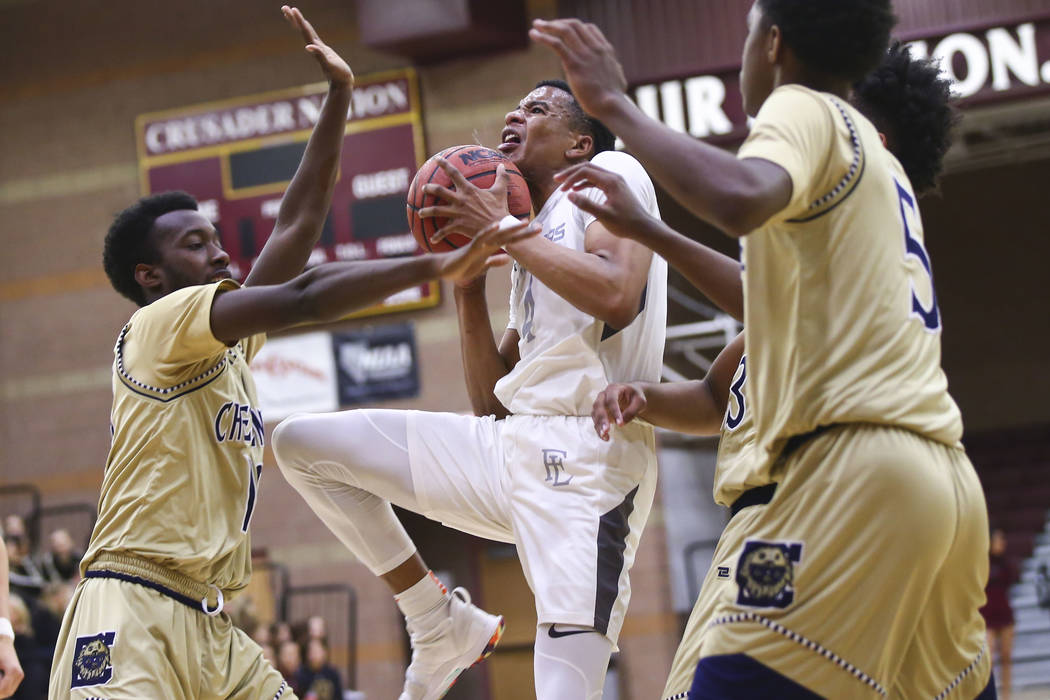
{"points": [[862, 576], [182, 477], [586, 307], [10, 670], [910, 102]]}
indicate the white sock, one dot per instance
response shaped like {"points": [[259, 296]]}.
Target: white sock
{"points": [[423, 596]]}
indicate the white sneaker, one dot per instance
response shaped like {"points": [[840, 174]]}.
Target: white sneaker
{"points": [[465, 637]]}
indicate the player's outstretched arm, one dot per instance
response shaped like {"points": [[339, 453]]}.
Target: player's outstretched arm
{"points": [[10, 670], [484, 362], [693, 407], [309, 195], [735, 195], [329, 292], [714, 274]]}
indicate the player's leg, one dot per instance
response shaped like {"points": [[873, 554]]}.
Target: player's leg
{"points": [[121, 640], [834, 576], [349, 467], [570, 662]]}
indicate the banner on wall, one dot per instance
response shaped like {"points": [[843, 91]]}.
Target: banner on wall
{"points": [[376, 363], [296, 373]]}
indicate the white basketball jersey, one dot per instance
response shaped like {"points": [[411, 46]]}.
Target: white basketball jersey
{"points": [[568, 356]]}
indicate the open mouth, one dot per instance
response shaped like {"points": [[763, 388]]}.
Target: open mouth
{"points": [[509, 140]]}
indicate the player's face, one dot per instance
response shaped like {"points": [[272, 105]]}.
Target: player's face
{"points": [[538, 134], [190, 251], [756, 72]]}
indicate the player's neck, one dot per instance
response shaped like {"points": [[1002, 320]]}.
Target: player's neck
{"points": [[540, 190], [821, 82]]}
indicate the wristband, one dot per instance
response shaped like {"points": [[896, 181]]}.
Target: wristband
{"points": [[6, 630], [507, 222]]}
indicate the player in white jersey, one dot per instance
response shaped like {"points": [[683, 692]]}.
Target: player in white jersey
{"points": [[877, 506], [587, 308], [182, 476]]}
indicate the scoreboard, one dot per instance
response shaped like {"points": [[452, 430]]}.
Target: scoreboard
{"points": [[238, 156]]}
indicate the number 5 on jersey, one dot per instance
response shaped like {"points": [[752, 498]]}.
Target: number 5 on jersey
{"points": [[930, 317]]}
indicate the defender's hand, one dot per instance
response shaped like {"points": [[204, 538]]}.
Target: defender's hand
{"points": [[336, 70], [9, 667], [617, 404], [471, 261], [589, 60], [621, 213], [469, 209]]}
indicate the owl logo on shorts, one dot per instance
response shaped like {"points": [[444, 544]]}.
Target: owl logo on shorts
{"points": [[765, 573], [92, 662]]}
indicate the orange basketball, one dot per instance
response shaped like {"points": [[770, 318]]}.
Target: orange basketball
{"points": [[478, 164]]}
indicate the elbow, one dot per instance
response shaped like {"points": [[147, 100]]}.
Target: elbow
{"points": [[620, 312], [738, 216]]}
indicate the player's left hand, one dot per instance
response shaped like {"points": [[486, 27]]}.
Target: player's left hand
{"points": [[591, 69], [335, 68], [621, 213], [617, 404], [483, 252], [468, 208], [11, 673]]}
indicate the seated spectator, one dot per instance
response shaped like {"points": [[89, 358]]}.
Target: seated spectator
{"points": [[47, 616], [316, 628], [269, 654], [36, 661], [280, 633], [61, 562], [261, 635], [289, 659], [318, 679], [25, 577]]}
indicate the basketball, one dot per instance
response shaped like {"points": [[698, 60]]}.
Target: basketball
{"points": [[478, 164]]}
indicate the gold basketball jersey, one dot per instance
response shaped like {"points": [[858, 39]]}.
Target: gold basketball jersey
{"points": [[739, 467], [183, 470], [841, 319]]}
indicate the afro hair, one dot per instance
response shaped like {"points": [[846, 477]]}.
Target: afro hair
{"points": [[910, 101], [128, 242], [845, 39]]}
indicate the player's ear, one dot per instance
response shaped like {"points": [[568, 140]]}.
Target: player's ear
{"points": [[882, 137], [149, 276], [582, 148], [774, 44]]}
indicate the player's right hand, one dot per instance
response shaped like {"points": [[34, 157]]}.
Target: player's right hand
{"points": [[484, 251], [11, 673], [617, 404], [335, 68]]}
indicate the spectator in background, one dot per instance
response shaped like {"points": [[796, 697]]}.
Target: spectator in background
{"points": [[61, 562], [47, 614], [316, 628], [268, 652], [25, 577], [280, 633], [997, 612], [318, 679], [10, 669], [36, 662], [289, 660], [262, 634], [1042, 586]]}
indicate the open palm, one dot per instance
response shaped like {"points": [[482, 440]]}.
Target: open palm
{"points": [[335, 68]]}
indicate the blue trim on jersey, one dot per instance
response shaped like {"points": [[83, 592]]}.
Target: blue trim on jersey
{"points": [[133, 390], [129, 578], [739, 677]]}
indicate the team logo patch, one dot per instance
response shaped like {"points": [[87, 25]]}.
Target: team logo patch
{"points": [[554, 463], [723, 572], [765, 573], [92, 662]]}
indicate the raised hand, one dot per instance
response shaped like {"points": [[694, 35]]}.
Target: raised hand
{"points": [[336, 70], [621, 213], [468, 209], [589, 61], [471, 261], [617, 404]]}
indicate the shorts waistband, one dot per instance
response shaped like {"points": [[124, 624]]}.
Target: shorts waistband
{"points": [[757, 496], [202, 597]]}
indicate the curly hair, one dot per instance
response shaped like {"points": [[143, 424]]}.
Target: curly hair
{"points": [[911, 102], [128, 242], [845, 39], [604, 140]]}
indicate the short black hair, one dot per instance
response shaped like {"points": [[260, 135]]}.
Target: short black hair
{"points": [[604, 140], [128, 242], [845, 39], [910, 101]]}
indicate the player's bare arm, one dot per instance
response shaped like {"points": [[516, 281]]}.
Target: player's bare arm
{"points": [[605, 281], [662, 404], [305, 204], [714, 274], [736, 195], [328, 292], [484, 362], [10, 670]]}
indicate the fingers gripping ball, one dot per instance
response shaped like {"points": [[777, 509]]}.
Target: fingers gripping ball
{"points": [[478, 164]]}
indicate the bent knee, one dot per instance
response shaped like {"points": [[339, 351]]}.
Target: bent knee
{"points": [[290, 440]]}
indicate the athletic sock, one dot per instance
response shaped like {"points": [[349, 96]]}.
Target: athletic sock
{"points": [[422, 598]]}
